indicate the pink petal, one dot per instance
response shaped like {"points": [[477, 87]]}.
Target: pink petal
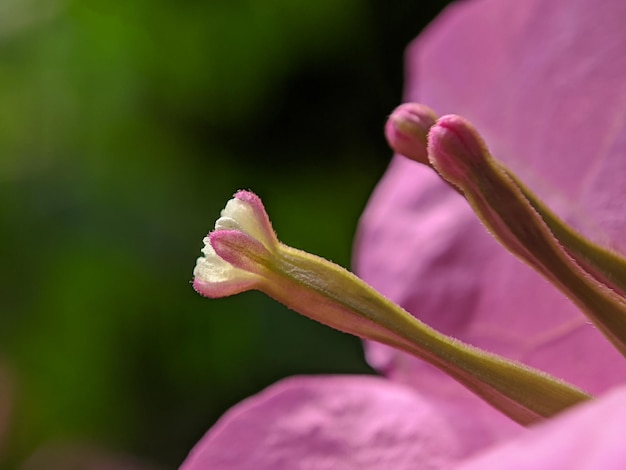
{"points": [[340, 422], [588, 437], [545, 83]]}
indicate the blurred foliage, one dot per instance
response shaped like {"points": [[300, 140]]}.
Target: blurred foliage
{"points": [[124, 128]]}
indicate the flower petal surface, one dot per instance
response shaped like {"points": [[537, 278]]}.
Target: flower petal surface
{"points": [[587, 437], [331, 422], [545, 84]]}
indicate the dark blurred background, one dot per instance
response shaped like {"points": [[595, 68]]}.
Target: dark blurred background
{"points": [[125, 126]]}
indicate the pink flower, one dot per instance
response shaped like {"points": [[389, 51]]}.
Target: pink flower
{"points": [[545, 84]]}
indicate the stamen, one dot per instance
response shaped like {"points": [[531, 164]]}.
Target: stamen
{"points": [[252, 258]]}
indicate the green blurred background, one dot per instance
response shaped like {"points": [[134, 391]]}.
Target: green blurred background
{"points": [[125, 126]]}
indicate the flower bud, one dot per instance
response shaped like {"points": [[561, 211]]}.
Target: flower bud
{"points": [[407, 128]]}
